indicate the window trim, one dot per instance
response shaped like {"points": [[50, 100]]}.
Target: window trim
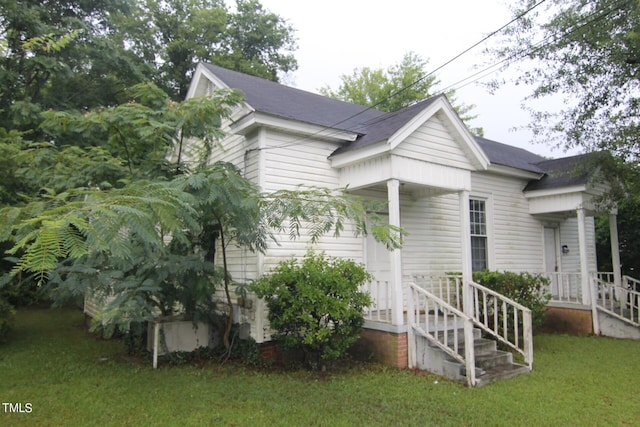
{"points": [[488, 207]]}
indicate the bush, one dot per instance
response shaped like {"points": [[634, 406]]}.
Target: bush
{"points": [[527, 289], [315, 306], [6, 319]]}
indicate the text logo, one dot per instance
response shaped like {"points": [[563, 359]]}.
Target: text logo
{"points": [[21, 408]]}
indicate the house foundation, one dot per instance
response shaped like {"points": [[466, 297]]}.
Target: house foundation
{"points": [[384, 344], [573, 320]]}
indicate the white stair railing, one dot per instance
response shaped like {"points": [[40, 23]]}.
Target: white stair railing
{"points": [[622, 302], [506, 320], [441, 324], [447, 287]]}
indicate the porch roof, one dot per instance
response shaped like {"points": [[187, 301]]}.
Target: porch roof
{"points": [[566, 172]]}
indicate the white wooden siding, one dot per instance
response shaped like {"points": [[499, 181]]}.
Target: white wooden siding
{"points": [[291, 163], [432, 142], [516, 237], [433, 242], [294, 163], [242, 264]]}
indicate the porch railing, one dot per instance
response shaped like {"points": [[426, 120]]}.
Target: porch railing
{"points": [[506, 320], [565, 287], [443, 325], [622, 302], [381, 308]]}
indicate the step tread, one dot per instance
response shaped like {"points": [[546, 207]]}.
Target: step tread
{"points": [[501, 372]]}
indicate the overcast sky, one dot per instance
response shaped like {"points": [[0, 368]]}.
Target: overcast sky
{"points": [[334, 37]]}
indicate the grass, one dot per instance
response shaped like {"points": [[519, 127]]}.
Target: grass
{"points": [[72, 378]]}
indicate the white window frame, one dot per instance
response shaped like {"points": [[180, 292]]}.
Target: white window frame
{"points": [[488, 216]]}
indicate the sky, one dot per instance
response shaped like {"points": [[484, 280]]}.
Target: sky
{"points": [[337, 36]]}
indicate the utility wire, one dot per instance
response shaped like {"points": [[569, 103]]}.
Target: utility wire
{"points": [[562, 33], [469, 79], [396, 93], [535, 48]]}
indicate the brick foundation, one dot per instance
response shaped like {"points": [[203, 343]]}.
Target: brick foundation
{"points": [[573, 321], [388, 348], [270, 353]]}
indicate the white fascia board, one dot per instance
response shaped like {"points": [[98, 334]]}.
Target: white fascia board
{"points": [[518, 173], [555, 191], [201, 73], [195, 81], [250, 121], [471, 147], [350, 157]]}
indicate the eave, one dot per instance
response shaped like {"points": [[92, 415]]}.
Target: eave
{"points": [[514, 172], [256, 119]]}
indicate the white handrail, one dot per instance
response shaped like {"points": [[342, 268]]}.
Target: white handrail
{"points": [[440, 322], [489, 306], [622, 302], [445, 286]]}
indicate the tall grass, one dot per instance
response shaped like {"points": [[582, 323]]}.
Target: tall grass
{"points": [[72, 378]]}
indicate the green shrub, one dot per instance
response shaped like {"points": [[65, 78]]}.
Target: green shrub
{"points": [[527, 289], [6, 319], [315, 305]]}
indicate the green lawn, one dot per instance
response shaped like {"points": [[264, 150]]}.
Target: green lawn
{"points": [[71, 378]]}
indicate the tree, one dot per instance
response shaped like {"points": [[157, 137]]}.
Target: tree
{"points": [[628, 224], [175, 35], [60, 54], [69, 55], [150, 243], [587, 52], [395, 88]]}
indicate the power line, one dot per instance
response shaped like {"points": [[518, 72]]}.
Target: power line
{"points": [[479, 74], [534, 49], [396, 93]]}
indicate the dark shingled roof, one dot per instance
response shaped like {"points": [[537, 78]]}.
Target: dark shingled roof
{"points": [[374, 126], [565, 172], [383, 127], [507, 155], [291, 103]]}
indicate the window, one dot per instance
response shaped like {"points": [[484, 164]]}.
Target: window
{"points": [[478, 214]]}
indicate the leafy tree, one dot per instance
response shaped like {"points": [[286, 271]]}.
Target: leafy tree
{"points": [[588, 53], [395, 88], [60, 54], [150, 243], [175, 35], [628, 222]]}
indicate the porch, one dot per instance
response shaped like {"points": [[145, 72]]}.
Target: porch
{"points": [[433, 310]]}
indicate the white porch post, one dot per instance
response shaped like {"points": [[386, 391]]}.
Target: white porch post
{"points": [[584, 260], [465, 235], [393, 195], [615, 249]]}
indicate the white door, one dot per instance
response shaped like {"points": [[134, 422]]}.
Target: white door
{"points": [[378, 263], [551, 262]]}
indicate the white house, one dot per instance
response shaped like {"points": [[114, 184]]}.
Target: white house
{"points": [[467, 203]]}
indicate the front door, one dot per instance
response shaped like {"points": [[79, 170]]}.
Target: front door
{"points": [[551, 262], [378, 263]]}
